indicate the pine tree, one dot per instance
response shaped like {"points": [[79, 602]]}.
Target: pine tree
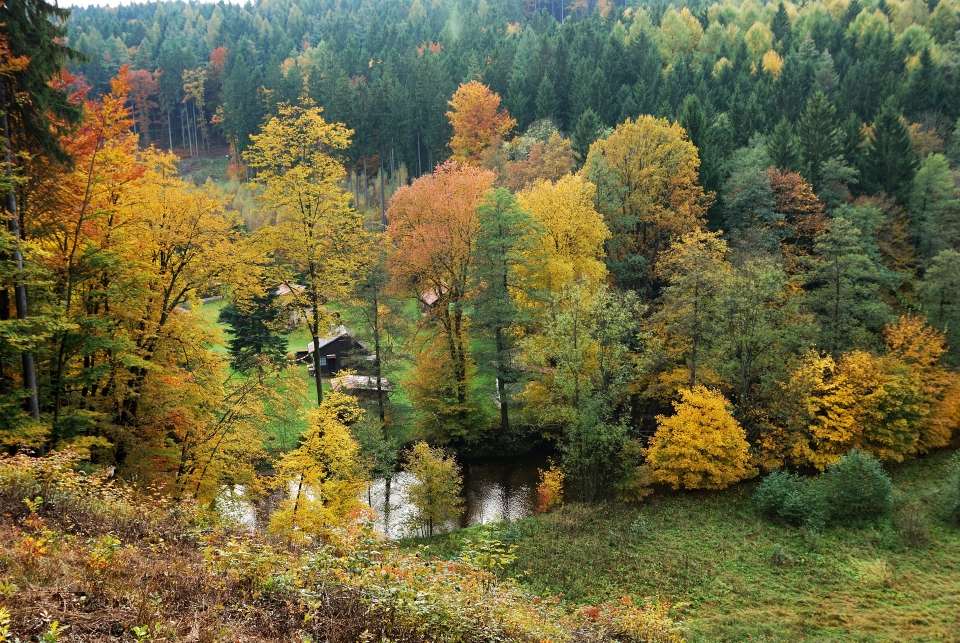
{"points": [[548, 104], [817, 136], [34, 115], [826, 78], [926, 90], [782, 147], [889, 164]]}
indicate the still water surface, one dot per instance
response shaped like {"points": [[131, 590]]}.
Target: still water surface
{"points": [[493, 490]]}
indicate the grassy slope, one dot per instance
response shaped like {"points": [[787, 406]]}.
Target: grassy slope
{"points": [[744, 578]]}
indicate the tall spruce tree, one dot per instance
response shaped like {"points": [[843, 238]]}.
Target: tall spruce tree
{"points": [[889, 164], [817, 136], [585, 133], [782, 147], [843, 289], [254, 325]]}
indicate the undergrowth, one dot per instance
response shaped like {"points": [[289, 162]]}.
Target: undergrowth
{"points": [[84, 559]]}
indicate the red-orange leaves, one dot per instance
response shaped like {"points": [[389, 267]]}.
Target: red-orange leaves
{"points": [[476, 119]]}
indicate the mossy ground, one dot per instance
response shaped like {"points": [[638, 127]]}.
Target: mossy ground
{"points": [[740, 577]]}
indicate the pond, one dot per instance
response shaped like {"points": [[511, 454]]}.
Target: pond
{"points": [[493, 490]]}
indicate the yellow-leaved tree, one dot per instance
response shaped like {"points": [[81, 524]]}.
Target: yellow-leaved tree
{"points": [[313, 232], [648, 193], [568, 249], [700, 446], [435, 491], [861, 401], [920, 347], [323, 476]]}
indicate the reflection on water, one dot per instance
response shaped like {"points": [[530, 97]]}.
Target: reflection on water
{"points": [[493, 490], [234, 506]]}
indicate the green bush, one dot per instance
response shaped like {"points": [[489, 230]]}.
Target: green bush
{"points": [[951, 493], [783, 495], [856, 489]]}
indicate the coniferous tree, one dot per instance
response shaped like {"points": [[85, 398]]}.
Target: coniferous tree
{"points": [[254, 329], [34, 115], [780, 26], [889, 164], [548, 104], [585, 133], [782, 147], [843, 289], [502, 247], [817, 137]]}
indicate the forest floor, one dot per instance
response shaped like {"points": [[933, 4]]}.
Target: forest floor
{"points": [[735, 576]]}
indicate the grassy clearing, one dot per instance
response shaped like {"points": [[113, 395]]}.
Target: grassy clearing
{"points": [[744, 578], [289, 422], [198, 170]]}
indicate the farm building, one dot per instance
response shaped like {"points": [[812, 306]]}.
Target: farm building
{"points": [[334, 349]]}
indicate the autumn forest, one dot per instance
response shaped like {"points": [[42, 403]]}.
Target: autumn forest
{"points": [[691, 258]]}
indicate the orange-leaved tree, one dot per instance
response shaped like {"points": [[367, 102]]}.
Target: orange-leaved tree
{"points": [[477, 120], [648, 192], [434, 226], [700, 446]]}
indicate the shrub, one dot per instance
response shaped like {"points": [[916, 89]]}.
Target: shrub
{"points": [[783, 494], [550, 489], [856, 488], [912, 525], [951, 493]]}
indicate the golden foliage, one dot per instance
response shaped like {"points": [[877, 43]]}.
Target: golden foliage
{"points": [[323, 475], [647, 190], [476, 120], [570, 248], [701, 446]]}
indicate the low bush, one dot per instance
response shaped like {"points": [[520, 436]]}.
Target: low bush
{"points": [[950, 493], [856, 489], [783, 495], [137, 568]]}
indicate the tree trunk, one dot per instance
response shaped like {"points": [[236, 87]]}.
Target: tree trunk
{"points": [[501, 385], [170, 129], [19, 289], [316, 364]]}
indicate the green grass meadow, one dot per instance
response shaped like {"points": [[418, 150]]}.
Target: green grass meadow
{"points": [[734, 576]]}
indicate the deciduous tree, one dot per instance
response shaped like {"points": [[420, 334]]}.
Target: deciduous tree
{"points": [[476, 119], [647, 191], [313, 233], [700, 446]]}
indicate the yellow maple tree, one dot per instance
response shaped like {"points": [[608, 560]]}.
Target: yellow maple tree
{"points": [[700, 446]]}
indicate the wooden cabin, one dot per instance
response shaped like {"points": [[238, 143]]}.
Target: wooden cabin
{"points": [[334, 349]]}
